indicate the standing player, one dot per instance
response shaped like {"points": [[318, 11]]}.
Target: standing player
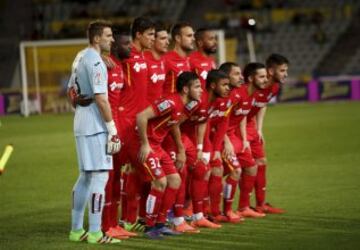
{"points": [[177, 61], [277, 68], [242, 97], [201, 60], [120, 50], [95, 133], [156, 64], [220, 105], [152, 163], [133, 99]]}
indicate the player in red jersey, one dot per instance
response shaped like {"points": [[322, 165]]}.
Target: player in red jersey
{"points": [[151, 161], [119, 51], [201, 60], [177, 61], [277, 69], [219, 109], [155, 63], [242, 96], [132, 101]]}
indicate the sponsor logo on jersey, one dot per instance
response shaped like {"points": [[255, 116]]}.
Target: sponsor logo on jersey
{"points": [[139, 66], [204, 74], [241, 111], [191, 105], [179, 64], [97, 78], [260, 104], [216, 113], [96, 64], [115, 85], [164, 105], [204, 64], [155, 77]]}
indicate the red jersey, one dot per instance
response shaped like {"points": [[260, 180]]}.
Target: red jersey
{"points": [[218, 117], [169, 111], [201, 65], [174, 66], [262, 98], [115, 84], [242, 104], [156, 76], [133, 98]]}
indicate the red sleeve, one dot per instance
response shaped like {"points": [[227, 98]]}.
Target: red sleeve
{"points": [[163, 106], [113, 95]]}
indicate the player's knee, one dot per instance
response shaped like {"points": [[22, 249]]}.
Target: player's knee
{"points": [[200, 170], [261, 161], [173, 180], [236, 173], [160, 184], [217, 171], [252, 171]]}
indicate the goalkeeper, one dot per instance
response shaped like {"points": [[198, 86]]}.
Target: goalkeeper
{"points": [[95, 134]]}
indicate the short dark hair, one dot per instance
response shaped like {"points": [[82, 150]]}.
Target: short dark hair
{"points": [[176, 29], [199, 34], [96, 28], [214, 76], [160, 26], [185, 79], [227, 66], [276, 60], [251, 68], [120, 31], [141, 24]]}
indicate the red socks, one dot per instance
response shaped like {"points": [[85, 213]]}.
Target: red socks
{"points": [[168, 201], [215, 192], [153, 204], [260, 185], [198, 189], [246, 187], [229, 192]]}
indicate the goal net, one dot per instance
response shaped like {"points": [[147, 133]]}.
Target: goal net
{"points": [[46, 68]]}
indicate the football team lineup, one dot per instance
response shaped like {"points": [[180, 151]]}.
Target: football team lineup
{"points": [[167, 145]]}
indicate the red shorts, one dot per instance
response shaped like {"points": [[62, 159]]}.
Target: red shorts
{"points": [[245, 158], [125, 127], [157, 165], [190, 150], [256, 145]]}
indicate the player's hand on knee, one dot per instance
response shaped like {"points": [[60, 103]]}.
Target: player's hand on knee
{"points": [[113, 143], [180, 160], [144, 152], [246, 145]]}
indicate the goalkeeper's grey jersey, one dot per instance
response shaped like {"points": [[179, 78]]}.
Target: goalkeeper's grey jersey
{"points": [[89, 75]]}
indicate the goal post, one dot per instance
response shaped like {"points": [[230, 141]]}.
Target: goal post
{"points": [[44, 65]]}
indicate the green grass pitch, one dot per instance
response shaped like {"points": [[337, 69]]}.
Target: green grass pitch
{"points": [[314, 173]]}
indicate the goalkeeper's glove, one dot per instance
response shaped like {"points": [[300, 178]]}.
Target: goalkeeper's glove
{"points": [[113, 143]]}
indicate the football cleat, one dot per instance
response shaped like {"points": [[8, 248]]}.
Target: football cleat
{"points": [[99, 238], [78, 235], [233, 217], [186, 228], [250, 213], [203, 222], [269, 209]]}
